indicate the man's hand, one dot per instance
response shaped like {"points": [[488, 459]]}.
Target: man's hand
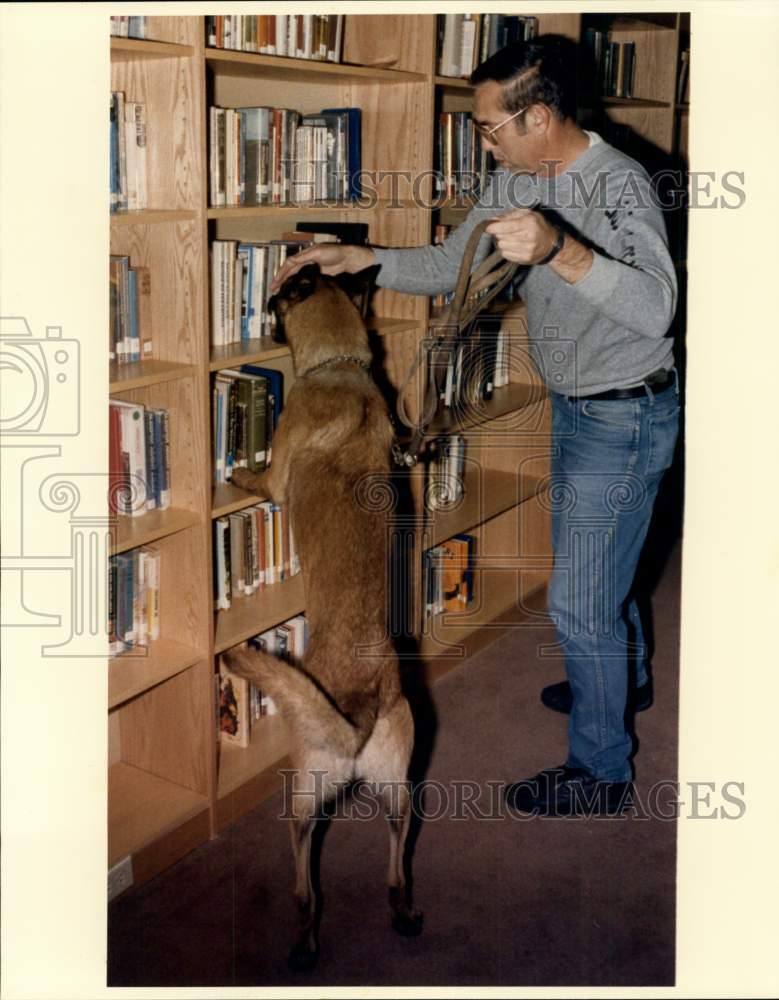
{"points": [[526, 237], [523, 235], [333, 258]]}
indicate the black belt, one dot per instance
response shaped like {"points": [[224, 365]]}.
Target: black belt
{"points": [[663, 382]]}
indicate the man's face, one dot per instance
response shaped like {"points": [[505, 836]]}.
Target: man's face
{"points": [[511, 149]]}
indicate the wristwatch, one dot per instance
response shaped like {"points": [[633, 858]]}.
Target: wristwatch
{"points": [[558, 246]]}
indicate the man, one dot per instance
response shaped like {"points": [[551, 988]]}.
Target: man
{"points": [[600, 292]]}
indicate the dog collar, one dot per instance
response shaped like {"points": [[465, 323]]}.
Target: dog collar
{"points": [[339, 359]]}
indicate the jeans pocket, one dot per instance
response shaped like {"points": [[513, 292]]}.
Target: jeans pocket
{"points": [[617, 413], [662, 431]]}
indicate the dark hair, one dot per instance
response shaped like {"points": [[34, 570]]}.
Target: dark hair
{"points": [[540, 71]]}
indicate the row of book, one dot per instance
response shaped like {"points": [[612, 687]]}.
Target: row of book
{"points": [[246, 407], [133, 599], [128, 134], [124, 26], [301, 36], [449, 582], [614, 63], [253, 549], [241, 704], [265, 155], [477, 366], [129, 314], [462, 164], [683, 87], [138, 458], [241, 276], [465, 40], [445, 472]]}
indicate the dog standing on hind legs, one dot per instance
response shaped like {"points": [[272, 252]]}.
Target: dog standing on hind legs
{"points": [[347, 715]]}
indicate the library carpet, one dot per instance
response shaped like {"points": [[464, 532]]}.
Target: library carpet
{"points": [[507, 901]]}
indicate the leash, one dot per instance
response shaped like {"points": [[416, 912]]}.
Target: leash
{"points": [[473, 292]]}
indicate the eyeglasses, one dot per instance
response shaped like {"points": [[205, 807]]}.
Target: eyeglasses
{"points": [[489, 132]]}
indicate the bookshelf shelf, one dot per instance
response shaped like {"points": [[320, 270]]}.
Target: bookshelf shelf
{"points": [[309, 208], [226, 499], [453, 83], [250, 615], [142, 373], [633, 102], [151, 216], [132, 673], [269, 743], [232, 63], [642, 22], [498, 492], [505, 400], [472, 630], [254, 351], [385, 325], [146, 807], [134, 531], [131, 48], [261, 349]]}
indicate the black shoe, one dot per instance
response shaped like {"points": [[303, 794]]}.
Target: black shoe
{"points": [[559, 697], [568, 791]]}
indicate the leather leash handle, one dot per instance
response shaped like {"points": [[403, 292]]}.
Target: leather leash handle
{"points": [[473, 292]]}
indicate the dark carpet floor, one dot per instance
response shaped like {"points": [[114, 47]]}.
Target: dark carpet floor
{"points": [[506, 901]]}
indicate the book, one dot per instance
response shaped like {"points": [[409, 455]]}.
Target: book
{"points": [[133, 599], [139, 458], [353, 187], [233, 707], [299, 36], [127, 146]]}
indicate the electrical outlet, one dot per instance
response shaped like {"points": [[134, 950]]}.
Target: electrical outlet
{"points": [[120, 877]]}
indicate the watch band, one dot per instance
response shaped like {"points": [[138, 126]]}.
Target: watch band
{"points": [[558, 246]]}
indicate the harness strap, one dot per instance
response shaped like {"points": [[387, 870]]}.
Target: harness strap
{"points": [[473, 292]]}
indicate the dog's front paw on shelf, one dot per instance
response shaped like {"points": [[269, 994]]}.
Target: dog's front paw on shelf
{"points": [[245, 479]]}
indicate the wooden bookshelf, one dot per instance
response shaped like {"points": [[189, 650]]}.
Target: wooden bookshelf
{"points": [[162, 747], [286, 68], [171, 783], [150, 216], [142, 48], [131, 532], [137, 374], [249, 616], [132, 673]]}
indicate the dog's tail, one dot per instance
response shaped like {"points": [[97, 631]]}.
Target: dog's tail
{"points": [[305, 706]]}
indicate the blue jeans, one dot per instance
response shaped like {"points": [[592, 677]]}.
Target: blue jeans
{"points": [[609, 457]]}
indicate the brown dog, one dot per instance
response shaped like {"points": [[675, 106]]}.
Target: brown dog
{"points": [[347, 715]]}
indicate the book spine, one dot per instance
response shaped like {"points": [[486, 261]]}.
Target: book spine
{"points": [[122, 145]]}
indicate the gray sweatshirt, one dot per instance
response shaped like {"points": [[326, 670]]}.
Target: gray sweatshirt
{"points": [[607, 330]]}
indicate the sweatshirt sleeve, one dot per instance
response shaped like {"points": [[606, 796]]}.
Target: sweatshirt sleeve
{"points": [[431, 270], [632, 280]]}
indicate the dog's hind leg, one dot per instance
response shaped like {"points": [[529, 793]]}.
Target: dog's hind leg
{"points": [[383, 764], [316, 780]]}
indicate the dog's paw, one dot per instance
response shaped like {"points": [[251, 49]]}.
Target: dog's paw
{"points": [[244, 479], [407, 923], [302, 958]]}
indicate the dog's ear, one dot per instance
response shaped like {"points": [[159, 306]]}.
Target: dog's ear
{"points": [[359, 286]]}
